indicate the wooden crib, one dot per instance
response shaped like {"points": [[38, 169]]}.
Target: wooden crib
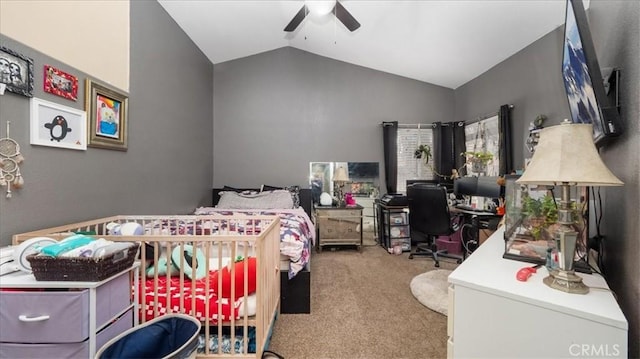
{"points": [[232, 248]]}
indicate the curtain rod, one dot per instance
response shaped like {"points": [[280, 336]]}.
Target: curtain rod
{"points": [[489, 115], [416, 125]]}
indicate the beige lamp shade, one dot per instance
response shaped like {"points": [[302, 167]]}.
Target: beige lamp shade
{"points": [[341, 175], [566, 154]]}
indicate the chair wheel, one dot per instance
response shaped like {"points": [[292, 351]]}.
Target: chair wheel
{"points": [[410, 256], [437, 265]]}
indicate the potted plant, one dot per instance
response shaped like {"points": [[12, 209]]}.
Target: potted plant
{"points": [[539, 214], [478, 160], [424, 152]]}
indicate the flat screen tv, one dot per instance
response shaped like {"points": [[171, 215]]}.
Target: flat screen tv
{"points": [[363, 170], [583, 80]]}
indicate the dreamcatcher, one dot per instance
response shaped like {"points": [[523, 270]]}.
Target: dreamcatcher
{"points": [[10, 158]]}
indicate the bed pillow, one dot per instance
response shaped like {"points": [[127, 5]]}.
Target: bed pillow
{"points": [[294, 190], [239, 190], [278, 199], [239, 279]]}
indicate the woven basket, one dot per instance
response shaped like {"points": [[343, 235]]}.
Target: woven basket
{"points": [[80, 269]]}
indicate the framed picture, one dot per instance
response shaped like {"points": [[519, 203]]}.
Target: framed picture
{"points": [[60, 83], [16, 72], [56, 125], [107, 116]]}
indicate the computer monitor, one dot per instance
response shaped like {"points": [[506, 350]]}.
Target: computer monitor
{"points": [[465, 186], [482, 186], [488, 187]]}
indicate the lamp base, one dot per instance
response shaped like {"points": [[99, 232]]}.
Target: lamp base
{"points": [[566, 281]]}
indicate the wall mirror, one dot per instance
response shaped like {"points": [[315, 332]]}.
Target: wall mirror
{"points": [[364, 178]]}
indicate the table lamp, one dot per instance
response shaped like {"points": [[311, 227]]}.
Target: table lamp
{"points": [[340, 177], [566, 156]]}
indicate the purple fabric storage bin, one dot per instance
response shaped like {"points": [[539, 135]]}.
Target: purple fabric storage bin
{"points": [[59, 317], [66, 350]]}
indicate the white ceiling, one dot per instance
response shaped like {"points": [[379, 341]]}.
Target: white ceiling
{"points": [[443, 42]]}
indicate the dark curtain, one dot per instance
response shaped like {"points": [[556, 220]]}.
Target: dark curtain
{"points": [[442, 142], [459, 147], [504, 129], [448, 144], [390, 140]]}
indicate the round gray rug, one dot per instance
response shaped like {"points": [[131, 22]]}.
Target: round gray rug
{"points": [[431, 289]]}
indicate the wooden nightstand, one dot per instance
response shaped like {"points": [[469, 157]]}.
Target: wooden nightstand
{"points": [[339, 225]]}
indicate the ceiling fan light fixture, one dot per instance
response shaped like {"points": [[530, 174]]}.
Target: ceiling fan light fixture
{"points": [[320, 7]]}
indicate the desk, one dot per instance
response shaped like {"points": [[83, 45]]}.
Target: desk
{"points": [[492, 315], [473, 222]]}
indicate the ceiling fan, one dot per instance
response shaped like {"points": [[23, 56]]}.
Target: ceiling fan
{"points": [[336, 8]]}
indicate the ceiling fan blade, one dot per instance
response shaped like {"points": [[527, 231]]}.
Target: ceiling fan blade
{"points": [[345, 17], [297, 19]]}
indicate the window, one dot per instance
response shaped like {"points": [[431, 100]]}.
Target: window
{"points": [[409, 138]]}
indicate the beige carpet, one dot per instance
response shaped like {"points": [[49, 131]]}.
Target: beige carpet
{"points": [[431, 289], [362, 307]]}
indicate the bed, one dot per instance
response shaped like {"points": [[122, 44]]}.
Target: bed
{"points": [[223, 270], [295, 283]]}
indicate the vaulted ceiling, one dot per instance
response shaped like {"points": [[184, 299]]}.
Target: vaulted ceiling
{"points": [[443, 42]]}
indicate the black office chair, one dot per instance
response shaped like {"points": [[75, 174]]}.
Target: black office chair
{"points": [[429, 218]]}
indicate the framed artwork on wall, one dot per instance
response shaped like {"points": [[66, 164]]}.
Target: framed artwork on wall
{"points": [[107, 116], [16, 72], [60, 83], [56, 125]]}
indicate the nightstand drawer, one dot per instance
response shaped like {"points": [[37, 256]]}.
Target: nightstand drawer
{"points": [[338, 213], [339, 228]]}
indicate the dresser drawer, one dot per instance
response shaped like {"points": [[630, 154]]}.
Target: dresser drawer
{"points": [[343, 228], [67, 350], [337, 213], [59, 317]]}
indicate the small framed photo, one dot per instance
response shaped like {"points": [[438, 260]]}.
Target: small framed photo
{"points": [[56, 125], [60, 83], [107, 115], [16, 72]]}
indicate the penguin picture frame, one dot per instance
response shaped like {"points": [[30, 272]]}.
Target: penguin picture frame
{"points": [[55, 125]]}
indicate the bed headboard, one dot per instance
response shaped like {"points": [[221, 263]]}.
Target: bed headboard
{"points": [[305, 198]]}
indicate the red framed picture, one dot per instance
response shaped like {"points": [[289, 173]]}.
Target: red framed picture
{"points": [[60, 83]]}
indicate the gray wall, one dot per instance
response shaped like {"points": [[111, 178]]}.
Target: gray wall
{"points": [[296, 107], [275, 112], [167, 168], [531, 80]]}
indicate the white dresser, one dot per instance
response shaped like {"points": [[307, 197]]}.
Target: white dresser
{"points": [[493, 315], [60, 319]]}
